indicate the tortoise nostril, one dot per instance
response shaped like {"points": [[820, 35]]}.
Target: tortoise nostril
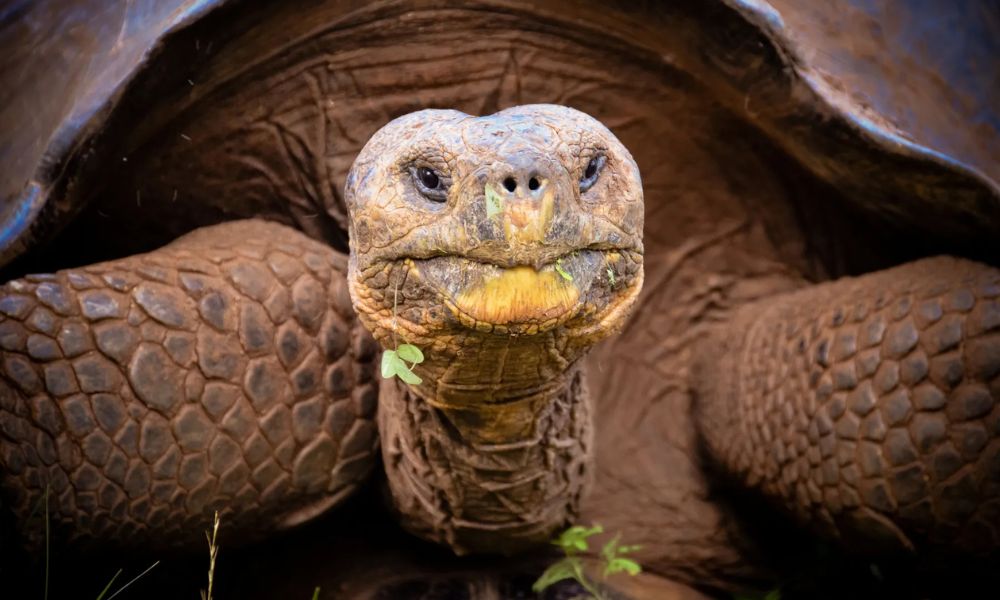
{"points": [[510, 184], [533, 184]]}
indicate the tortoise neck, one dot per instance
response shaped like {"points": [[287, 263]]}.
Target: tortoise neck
{"points": [[498, 378], [496, 477]]}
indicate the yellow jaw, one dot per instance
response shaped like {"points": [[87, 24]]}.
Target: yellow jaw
{"points": [[519, 295]]}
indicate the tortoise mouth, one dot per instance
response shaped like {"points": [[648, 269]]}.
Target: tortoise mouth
{"points": [[524, 298]]}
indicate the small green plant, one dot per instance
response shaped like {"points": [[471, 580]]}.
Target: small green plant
{"points": [[573, 543], [562, 272], [394, 363], [611, 277]]}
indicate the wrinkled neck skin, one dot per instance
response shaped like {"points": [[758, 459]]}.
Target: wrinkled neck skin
{"points": [[491, 477], [494, 388], [492, 452]]}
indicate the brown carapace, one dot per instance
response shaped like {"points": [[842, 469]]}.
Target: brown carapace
{"points": [[797, 365]]}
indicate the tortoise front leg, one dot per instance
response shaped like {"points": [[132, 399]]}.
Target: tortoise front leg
{"points": [[225, 371], [868, 405]]}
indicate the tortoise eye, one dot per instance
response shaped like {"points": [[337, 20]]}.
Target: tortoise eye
{"points": [[429, 178], [430, 184], [592, 172]]}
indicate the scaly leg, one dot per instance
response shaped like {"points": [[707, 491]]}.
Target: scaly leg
{"points": [[225, 371], [868, 406]]}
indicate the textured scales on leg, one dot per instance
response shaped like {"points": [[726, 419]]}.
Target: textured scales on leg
{"points": [[868, 406], [225, 371]]}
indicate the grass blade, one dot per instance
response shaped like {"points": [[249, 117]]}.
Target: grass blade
{"points": [[213, 552], [46, 541], [110, 583], [316, 593], [122, 589]]}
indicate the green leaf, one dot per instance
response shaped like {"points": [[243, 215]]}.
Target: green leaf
{"points": [[610, 550], [611, 277], [393, 366], [575, 538], [403, 372], [562, 271], [389, 360], [619, 565], [411, 353], [614, 559], [494, 202], [564, 569]]}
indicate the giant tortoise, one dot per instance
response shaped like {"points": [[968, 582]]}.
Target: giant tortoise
{"points": [[200, 287]]}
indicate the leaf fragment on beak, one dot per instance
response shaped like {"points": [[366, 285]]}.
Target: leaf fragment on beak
{"points": [[494, 202], [562, 272]]}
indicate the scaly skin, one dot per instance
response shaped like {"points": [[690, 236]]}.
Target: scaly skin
{"points": [[492, 451], [867, 406], [225, 372]]}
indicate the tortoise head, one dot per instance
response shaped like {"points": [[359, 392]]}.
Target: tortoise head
{"points": [[510, 225]]}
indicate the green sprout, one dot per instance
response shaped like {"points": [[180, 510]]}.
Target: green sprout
{"points": [[562, 272], [494, 202], [614, 558], [611, 277], [573, 542], [394, 363]]}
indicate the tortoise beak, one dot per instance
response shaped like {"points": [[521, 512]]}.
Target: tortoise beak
{"points": [[524, 298]]}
